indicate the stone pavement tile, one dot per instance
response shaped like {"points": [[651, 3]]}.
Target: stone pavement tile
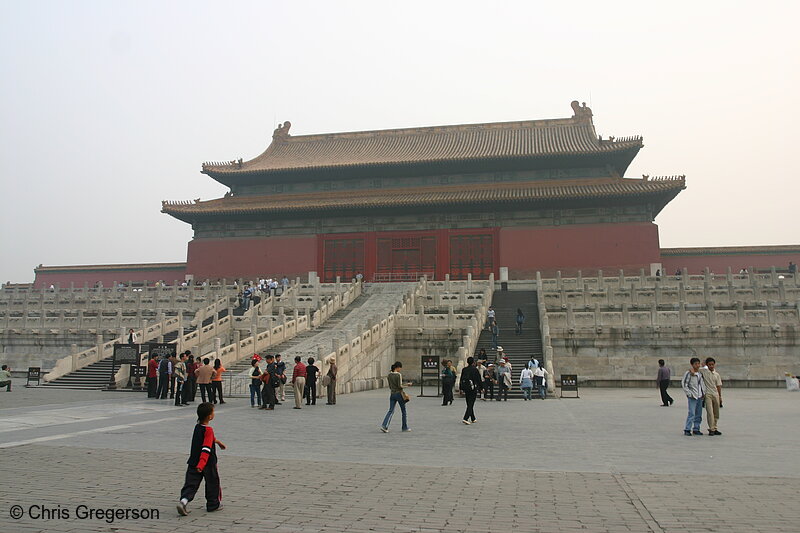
{"points": [[426, 491]]}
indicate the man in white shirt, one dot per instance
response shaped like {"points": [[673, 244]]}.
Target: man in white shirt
{"points": [[713, 399]]}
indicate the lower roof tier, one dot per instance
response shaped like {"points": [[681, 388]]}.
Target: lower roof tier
{"points": [[658, 191]]}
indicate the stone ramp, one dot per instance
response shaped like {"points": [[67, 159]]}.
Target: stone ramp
{"points": [[243, 364], [375, 303], [380, 299]]}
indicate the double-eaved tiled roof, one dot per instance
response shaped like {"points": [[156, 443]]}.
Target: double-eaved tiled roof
{"points": [[444, 195], [501, 140]]}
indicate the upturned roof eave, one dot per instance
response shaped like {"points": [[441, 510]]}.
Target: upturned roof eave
{"points": [[664, 196], [226, 176]]}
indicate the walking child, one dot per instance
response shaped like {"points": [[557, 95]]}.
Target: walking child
{"points": [[202, 463]]}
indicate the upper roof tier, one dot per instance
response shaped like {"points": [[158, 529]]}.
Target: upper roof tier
{"points": [[533, 143]]}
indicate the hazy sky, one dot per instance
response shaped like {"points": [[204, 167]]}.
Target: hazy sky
{"points": [[109, 107]]}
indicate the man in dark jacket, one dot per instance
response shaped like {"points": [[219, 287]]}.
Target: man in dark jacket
{"points": [[312, 372], [164, 373], [470, 385], [270, 377], [663, 383]]}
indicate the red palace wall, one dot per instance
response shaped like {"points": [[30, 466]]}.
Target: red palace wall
{"points": [[571, 248], [719, 264], [250, 258], [524, 250], [89, 277]]}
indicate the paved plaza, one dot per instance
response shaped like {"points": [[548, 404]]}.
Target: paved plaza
{"points": [[612, 460]]}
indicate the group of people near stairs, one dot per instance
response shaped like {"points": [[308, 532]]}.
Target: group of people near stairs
{"points": [[181, 375], [473, 381], [267, 385], [498, 375]]}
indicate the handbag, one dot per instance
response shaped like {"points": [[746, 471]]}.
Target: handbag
{"points": [[406, 397], [326, 380]]}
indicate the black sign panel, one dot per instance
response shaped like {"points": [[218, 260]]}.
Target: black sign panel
{"points": [[126, 354], [569, 382], [138, 371], [159, 350], [34, 374], [430, 362], [429, 371]]}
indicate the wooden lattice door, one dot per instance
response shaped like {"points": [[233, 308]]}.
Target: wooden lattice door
{"points": [[471, 254], [342, 257]]}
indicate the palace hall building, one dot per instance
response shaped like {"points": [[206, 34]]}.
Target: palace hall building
{"points": [[534, 195]]}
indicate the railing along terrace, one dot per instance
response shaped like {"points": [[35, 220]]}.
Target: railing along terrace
{"points": [[728, 295], [601, 281], [681, 315], [151, 333], [93, 321]]}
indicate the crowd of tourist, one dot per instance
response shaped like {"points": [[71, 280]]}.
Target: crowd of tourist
{"points": [[180, 376], [251, 294]]}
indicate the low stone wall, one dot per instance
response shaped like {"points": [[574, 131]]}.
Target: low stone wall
{"points": [[756, 356], [44, 349]]}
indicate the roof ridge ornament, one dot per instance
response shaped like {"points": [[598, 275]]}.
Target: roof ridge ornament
{"points": [[582, 113], [281, 133]]}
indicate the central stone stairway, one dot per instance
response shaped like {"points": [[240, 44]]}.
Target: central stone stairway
{"points": [[518, 348]]}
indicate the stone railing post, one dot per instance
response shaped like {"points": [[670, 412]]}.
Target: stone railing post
{"points": [[740, 318], [73, 349], [181, 333]]}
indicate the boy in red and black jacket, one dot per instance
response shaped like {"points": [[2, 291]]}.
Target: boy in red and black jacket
{"points": [[202, 463]]}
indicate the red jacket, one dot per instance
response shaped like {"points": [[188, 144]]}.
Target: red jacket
{"points": [[299, 371], [152, 368]]}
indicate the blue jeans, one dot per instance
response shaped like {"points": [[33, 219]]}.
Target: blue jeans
{"points": [[255, 393], [394, 399], [494, 341], [695, 415], [541, 384]]}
